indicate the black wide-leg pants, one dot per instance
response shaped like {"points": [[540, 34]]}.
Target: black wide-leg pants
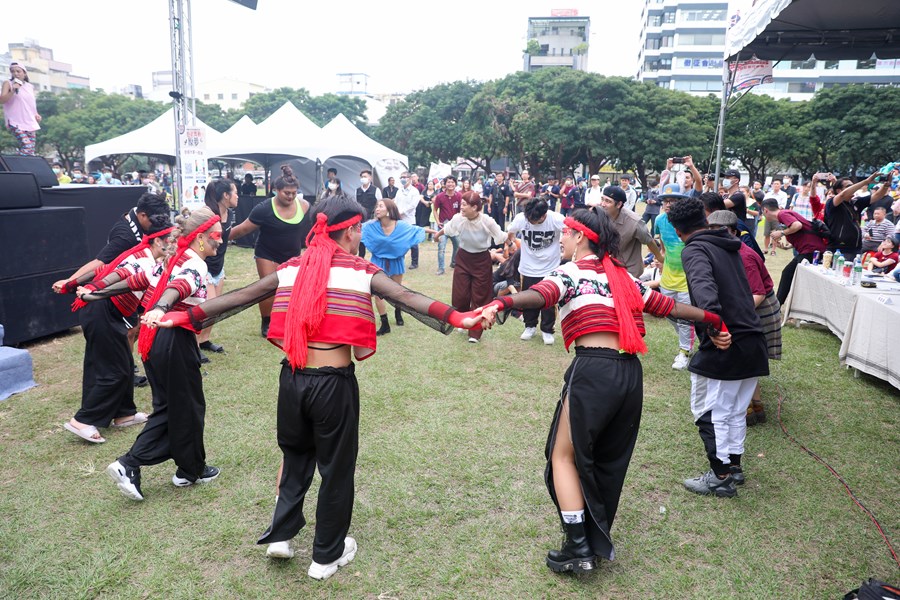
{"points": [[318, 426], [175, 428], [605, 389], [107, 385]]}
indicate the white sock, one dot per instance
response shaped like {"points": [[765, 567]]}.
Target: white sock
{"points": [[572, 516]]}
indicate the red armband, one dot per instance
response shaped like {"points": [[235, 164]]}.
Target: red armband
{"points": [[502, 303], [179, 318], [70, 286], [715, 322], [447, 314]]}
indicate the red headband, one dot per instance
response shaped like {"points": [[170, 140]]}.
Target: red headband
{"points": [[579, 226], [78, 304], [322, 227]]}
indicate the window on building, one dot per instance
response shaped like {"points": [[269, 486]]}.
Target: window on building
{"points": [[865, 64], [653, 43], [234, 96], [221, 96], [699, 86], [701, 39], [669, 16], [832, 64], [804, 64], [703, 15], [668, 41], [802, 87], [654, 20], [665, 64], [206, 96]]}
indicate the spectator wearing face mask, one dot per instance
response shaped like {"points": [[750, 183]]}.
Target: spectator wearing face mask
{"points": [[106, 177], [60, 173]]}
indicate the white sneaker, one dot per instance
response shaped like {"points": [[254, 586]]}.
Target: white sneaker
{"points": [[681, 362], [280, 550], [528, 333], [473, 340], [322, 572], [548, 338]]}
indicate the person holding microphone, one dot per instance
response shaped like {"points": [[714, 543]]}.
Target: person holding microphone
{"points": [[20, 109]]}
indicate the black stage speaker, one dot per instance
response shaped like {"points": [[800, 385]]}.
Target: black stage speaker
{"points": [[19, 190], [29, 309], [38, 240], [30, 164]]}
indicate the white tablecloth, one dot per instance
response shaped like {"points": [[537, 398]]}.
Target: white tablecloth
{"points": [[867, 321]]}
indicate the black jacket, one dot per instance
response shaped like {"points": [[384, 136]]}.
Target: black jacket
{"points": [[717, 282]]}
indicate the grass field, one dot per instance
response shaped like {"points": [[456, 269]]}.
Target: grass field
{"points": [[450, 498]]}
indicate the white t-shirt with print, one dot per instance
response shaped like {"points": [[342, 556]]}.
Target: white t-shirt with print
{"points": [[540, 243]]}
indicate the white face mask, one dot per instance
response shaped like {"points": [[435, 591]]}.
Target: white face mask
{"points": [[55, 171], [332, 186], [107, 176], [364, 180]]}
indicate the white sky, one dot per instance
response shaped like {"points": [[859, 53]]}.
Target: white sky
{"points": [[402, 45]]}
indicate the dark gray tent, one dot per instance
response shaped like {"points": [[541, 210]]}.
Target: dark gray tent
{"points": [[828, 29]]}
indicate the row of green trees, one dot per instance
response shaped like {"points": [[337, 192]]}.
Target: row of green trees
{"points": [[550, 121], [554, 120], [77, 118]]}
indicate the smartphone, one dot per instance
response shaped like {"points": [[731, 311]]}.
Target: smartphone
{"points": [[678, 160]]}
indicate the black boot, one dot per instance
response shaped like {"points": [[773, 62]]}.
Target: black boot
{"points": [[576, 554], [398, 316], [385, 326]]}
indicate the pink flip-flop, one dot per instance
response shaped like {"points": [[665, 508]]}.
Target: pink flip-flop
{"points": [[136, 419], [85, 433]]}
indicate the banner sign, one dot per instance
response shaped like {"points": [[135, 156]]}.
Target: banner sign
{"points": [[750, 73], [194, 171]]}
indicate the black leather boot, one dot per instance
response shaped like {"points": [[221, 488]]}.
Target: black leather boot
{"points": [[385, 326], [398, 316], [576, 554]]}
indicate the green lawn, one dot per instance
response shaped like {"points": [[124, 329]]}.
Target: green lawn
{"points": [[450, 496]]}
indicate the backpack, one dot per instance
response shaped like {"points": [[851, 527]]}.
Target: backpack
{"points": [[819, 228], [874, 590]]}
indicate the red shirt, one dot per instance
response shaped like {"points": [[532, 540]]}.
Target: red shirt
{"points": [[757, 274], [880, 256], [804, 241], [447, 206]]}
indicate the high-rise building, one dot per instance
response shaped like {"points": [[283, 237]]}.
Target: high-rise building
{"points": [[560, 40], [682, 46], [45, 73]]}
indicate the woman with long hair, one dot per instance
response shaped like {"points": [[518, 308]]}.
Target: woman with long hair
{"points": [[389, 239], [107, 390], [222, 199], [595, 425], [322, 319], [172, 361], [473, 282], [282, 224], [20, 109]]}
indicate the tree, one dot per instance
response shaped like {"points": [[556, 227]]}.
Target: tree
{"points": [[430, 125], [532, 48], [319, 109], [756, 131]]}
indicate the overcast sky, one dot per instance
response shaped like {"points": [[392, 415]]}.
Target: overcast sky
{"points": [[402, 45]]}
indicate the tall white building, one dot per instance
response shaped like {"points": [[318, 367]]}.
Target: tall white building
{"points": [[682, 45], [562, 41]]}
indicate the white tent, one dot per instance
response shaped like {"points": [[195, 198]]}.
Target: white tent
{"points": [[156, 138], [286, 137], [243, 125], [350, 151]]}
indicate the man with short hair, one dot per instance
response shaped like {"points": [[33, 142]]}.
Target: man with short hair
{"points": [[722, 381], [78, 175], [390, 190], [330, 176], [651, 211], [843, 212], [498, 192], [877, 229], [106, 178], [540, 230], [446, 204], [782, 198], [407, 200], [60, 173], [630, 192], [368, 196], [632, 232], [799, 233], [414, 177], [523, 191]]}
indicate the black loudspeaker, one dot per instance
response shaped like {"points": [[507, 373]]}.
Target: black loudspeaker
{"points": [[30, 164], [245, 205], [19, 190], [38, 240], [29, 309]]}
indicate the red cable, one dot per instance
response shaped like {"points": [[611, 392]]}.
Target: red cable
{"points": [[838, 476]]}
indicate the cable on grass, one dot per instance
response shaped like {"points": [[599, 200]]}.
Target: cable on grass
{"points": [[857, 501]]}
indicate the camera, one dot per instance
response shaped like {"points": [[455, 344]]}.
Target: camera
{"points": [[678, 160]]}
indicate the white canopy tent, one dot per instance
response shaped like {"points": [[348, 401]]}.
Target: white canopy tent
{"points": [[156, 138], [350, 151], [286, 137]]}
